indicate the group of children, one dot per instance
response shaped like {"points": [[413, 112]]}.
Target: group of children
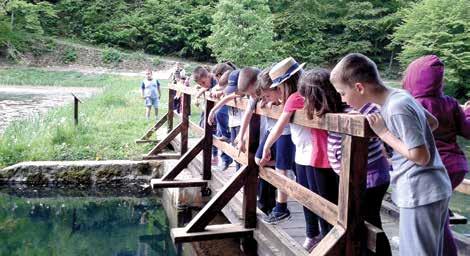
{"points": [[416, 150]]}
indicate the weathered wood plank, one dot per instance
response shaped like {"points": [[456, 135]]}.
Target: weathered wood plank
{"points": [[207, 148], [184, 89], [251, 184], [153, 129], [231, 151], [159, 183], [210, 210], [330, 243], [377, 241], [184, 161], [185, 124], [171, 99], [351, 192], [317, 204], [212, 232], [169, 137], [352, 124]]}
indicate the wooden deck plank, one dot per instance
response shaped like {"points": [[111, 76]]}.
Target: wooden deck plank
{"points": [[212, 232]]}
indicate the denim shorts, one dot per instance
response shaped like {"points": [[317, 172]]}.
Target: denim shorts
{"points": [[151, 102], [282, 151]]}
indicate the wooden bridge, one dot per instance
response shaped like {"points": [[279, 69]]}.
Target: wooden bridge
{"points": [[350, 235]]}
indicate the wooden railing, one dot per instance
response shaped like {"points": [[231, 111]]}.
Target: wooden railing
{"points": [[350, 234]]}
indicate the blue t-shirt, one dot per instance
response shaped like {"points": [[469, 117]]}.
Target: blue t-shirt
{"points": [[150, 88], [413, 185]]}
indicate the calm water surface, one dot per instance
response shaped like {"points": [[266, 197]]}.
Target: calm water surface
{"points": [[57, 225]]}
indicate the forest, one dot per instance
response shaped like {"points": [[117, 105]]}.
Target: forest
{"points": [[254, 32]]}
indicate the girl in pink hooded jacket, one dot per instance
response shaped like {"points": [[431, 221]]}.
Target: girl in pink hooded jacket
{"points": [[424, 80]]}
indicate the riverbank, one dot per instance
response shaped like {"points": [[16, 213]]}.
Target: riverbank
{"points": [[108, 125]]}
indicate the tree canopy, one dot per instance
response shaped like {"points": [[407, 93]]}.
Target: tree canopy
{"points": [[255, 32]]}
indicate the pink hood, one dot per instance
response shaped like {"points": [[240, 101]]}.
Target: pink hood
{"points": [[424, 77]]}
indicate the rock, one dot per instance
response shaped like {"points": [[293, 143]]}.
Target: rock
{"points": [[88, 173]]}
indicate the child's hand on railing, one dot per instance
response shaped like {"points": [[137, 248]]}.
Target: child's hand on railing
{"points": [[241, 146], [211, 118], [377, 123], [266, 156]]}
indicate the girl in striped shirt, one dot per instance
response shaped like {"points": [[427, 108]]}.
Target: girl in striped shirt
{"points": [[378, 176]]}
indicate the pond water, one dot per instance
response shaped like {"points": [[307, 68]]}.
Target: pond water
{"points": [[22, 101], [91, 225]]}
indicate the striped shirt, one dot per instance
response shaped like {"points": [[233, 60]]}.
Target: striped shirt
{"points": [[377, 171]]}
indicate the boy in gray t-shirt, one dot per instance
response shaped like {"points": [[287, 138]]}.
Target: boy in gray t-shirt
{"points": [[421, 187]]}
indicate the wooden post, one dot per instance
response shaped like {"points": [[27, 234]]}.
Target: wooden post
{"points": [[207, 151], [251, 185], [351, 193], [76, 100], [185, 123], [248, 244], [171, 95]]}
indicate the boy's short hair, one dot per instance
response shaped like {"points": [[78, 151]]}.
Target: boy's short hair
{"points": [[356, 68], [247, 77], [223, 81], [200, 72]]}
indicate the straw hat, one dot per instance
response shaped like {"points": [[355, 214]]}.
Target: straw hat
{"points": [[283, 70]]}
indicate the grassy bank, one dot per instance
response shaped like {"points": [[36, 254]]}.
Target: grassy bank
{"points": [[38, 77], [109, 123]]}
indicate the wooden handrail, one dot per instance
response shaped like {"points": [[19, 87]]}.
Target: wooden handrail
{"points": [[351, 124]]}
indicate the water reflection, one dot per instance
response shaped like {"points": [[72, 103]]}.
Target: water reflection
{"points": [[83, 226]]}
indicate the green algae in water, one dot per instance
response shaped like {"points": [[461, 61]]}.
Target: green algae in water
{"points": [[121, 226]]}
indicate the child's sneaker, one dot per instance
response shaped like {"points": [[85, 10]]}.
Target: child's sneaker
{"points": [[276, 217], [310, 243], [222, 138]]}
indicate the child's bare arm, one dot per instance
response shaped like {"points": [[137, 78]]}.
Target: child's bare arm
{"points": [[217, 106], [420, 155], [275, 133], [462, 116], [240, 140]]}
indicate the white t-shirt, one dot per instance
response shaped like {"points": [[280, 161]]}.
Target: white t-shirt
{"points": [[234, 117]]}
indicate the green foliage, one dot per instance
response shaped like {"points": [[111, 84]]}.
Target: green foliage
{"points": [[323, 31], [242, 32], [70, 56], [441, 28], [155, 26], [21, 22], [111, 56]]}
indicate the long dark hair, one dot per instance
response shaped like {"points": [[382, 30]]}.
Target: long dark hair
{"points": [[320, 95], [264, 81], [290, 85]]}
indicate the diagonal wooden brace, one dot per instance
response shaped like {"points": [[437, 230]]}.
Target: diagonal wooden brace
{"points": [[215, 205], [154, 128], [160, 146], [184, 161]]}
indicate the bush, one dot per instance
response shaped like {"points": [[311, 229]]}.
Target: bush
{"points": [[441, 28], [70, 56], [111, 56], [242, 32]]}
